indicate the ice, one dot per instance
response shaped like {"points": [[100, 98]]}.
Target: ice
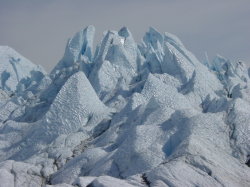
{"points": [[107, 181], [152, 49], [76, 107], [115, 64], [15, 69], [78, 46], [3, 96], [19, 174], [239, 123], [130, 114], [234, 76], [78, 99]]}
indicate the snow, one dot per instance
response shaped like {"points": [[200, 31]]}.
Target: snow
{"points": [[147, 114]]}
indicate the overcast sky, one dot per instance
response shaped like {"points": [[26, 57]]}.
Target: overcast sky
{"points": [[39, 29]]}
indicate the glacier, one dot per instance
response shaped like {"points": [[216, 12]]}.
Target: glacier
{"points": [[124, 114]]}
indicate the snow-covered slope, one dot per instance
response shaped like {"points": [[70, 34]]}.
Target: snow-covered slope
{"points": [[126, 114]]}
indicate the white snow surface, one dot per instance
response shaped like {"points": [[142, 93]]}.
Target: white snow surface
{"points": [[127, 114]]}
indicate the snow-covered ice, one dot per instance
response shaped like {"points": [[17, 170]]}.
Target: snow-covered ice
{"points": [[124, 114]]}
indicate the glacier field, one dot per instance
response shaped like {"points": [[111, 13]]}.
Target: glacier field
{"points": [[124, 114]]}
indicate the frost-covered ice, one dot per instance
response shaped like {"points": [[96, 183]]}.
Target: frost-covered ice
{"points": [[124, 114]]}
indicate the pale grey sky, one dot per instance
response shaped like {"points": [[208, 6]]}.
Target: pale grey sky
{"points": [[39, 29]]}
